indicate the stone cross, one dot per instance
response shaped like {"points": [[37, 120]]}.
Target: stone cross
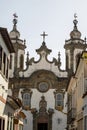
{"points": [[44, 35]]}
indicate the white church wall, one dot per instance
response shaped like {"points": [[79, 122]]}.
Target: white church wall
{"points": [[43, 64], [28, 121], [59, 118], [49, 97], [59, 121]]}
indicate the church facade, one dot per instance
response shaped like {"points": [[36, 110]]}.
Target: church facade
{"points": [[41, 86]]}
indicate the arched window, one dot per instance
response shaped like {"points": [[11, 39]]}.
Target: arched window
{"points": [[59, 99], [26, 100], [21, 61]]}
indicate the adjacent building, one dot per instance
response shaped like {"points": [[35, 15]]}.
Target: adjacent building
{"points": [[6, 48], [8, 105]]}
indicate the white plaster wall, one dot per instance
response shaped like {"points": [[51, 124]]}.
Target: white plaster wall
{"points": [[58, 115], [3, 82], [5, 49], [43, 64], [2, 43], [29, 118], [49, 97]]}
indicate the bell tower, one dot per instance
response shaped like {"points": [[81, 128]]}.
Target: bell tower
{"points": [[17, 59], [73, 48]]}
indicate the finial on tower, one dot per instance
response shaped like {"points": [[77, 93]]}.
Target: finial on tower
{"points": [[27, 60], [15, 21], [44, 35], [75, 21], [59, 60], [75, 34]]}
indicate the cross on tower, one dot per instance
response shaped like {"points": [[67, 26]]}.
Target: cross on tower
{"points": [[43, 35]]}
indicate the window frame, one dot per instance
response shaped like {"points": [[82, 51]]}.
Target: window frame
{"points": [[27, 98], [59, 100]]}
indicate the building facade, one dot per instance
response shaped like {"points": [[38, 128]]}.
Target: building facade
{"points": [[40, 86], [8, 105], [77, 99], [5, 49]]}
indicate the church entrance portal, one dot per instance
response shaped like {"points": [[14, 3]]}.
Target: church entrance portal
{"points": [[42, 120], [42, 126]]}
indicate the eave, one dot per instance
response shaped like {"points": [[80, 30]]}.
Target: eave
{"points": [[7, 39]]}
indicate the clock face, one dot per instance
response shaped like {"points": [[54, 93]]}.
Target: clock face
{"points": [[43, 87]]}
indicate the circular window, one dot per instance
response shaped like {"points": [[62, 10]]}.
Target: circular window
{"points": [[43, 87]]}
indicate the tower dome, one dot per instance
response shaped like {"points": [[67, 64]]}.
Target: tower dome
{"points": [[14, 33], [75, 34]]}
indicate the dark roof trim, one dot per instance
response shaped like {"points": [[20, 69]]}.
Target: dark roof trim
{"points": [[7, 39]]}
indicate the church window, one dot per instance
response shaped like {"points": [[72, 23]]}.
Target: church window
{"points": [[59, 120], [21, 62], [25, 121], [26, 99], [59, 99], [26, 95], [43, 87]]}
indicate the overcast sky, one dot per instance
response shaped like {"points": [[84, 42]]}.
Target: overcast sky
{"points": [[55, 17]]}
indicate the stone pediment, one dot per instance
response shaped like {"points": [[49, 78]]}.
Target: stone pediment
{"points": [[43, 52], [43, 63]]}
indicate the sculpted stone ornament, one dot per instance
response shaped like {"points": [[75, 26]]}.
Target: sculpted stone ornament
{"points": [[43, 87]]}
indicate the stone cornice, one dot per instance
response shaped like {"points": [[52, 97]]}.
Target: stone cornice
{"points": [[37, 77], [75, 45]]}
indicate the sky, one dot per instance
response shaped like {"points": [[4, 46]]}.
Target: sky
{"points": [[55, 17]]}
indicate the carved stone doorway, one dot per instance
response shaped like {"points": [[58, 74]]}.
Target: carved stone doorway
{"points": [[42, 119], [42, 126]]}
